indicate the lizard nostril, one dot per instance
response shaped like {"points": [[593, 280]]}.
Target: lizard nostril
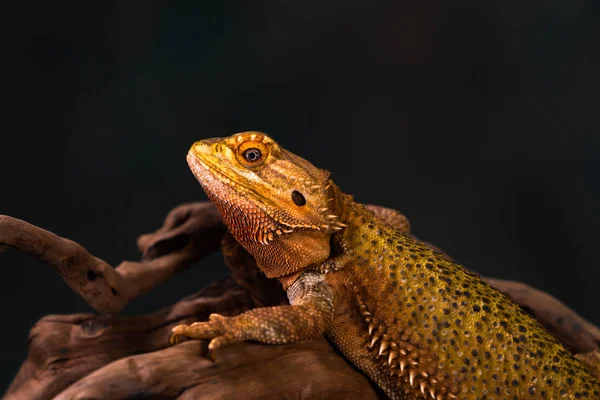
{"points": [[217, 147]]}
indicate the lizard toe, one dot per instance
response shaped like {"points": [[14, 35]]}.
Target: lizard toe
{"points": [[210, 329], [177, 335], [218, 342]]}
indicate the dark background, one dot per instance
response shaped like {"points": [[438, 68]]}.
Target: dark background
{"points": [[479, 121]]}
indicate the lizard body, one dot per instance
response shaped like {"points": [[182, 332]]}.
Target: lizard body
{"points": [[419, 325]]}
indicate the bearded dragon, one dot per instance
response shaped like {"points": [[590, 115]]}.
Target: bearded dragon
{"points": [[418, 324]]}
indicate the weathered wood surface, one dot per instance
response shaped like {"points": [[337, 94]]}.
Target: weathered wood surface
{"points": [[103, 356]]}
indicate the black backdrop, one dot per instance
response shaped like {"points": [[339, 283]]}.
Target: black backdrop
{"points": [[478, 120]]}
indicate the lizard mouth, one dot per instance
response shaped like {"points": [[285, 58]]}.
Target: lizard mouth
{"points": [[206, 173], [210, 177], [200, 161]]}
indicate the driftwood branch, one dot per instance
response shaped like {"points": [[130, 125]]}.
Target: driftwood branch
{"points": [[111, 357], [65, 348], [107, 289]]}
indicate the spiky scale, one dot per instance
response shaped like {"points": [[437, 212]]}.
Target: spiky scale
{"points": [[392, 356], [374, 340], [383, 347], [402, 365]]}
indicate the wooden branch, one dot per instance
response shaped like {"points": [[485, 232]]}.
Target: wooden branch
{"points": [[64, 348], [109, 357], [248, 371], [108, 290], [101, 357]]}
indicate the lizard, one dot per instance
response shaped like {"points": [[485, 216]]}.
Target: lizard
{"points": [[416, 323]]}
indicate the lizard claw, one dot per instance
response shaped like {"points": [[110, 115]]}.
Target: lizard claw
{"points": [[219, 342], [215, 329], [176, 337]]}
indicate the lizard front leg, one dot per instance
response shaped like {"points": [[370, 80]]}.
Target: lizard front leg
{"points": [[309, 314]]}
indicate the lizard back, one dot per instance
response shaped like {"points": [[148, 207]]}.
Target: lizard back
{"points": [[423, 326]]}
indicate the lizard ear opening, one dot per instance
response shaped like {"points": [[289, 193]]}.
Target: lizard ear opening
{"points": [[298, 198]]}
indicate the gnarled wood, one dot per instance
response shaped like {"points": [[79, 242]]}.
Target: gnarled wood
{"points": [[64, 348], [244, 371], [110, 357], [107, 289]]}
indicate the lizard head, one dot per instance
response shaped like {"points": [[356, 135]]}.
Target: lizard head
{"points": [[274, 202]]}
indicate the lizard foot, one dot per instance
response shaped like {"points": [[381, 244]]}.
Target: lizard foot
{"points": [[216, 328]]}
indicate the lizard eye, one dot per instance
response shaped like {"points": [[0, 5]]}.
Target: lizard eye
{"points": [[252, 155], [298, 198]]}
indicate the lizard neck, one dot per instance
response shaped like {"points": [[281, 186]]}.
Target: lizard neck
{"points": [[355, 216], [342, 205]]}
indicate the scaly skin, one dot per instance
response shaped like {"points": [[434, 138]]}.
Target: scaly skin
{"points": [[417, 324]]}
